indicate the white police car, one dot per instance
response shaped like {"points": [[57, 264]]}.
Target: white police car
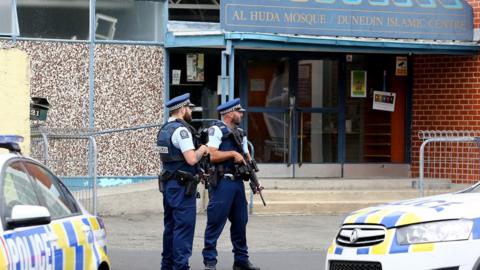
{"points": [[439, 232], [43, 226]]}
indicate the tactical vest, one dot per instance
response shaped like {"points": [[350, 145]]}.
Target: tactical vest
{"points": [[228, 144], [172, 158]]}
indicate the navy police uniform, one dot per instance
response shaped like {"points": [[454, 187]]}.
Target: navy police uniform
{"points": [[174, 138], [227, 199]]}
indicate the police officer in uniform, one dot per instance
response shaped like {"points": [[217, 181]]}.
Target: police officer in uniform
{"points": [[179, 158], [227, 198]]}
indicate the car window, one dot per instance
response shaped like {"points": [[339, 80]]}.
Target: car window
{"points": [[58, 200], [17, 188]]}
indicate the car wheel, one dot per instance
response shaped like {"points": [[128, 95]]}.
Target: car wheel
{"points": [[103, 266]]}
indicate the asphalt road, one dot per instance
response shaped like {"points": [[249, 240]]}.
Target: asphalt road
{"points": [[275, 242]]}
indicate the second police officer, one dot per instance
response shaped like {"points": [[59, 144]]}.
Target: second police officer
{"points": [[227, 196], [178, 183]]}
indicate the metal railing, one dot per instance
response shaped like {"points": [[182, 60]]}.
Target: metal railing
{"points": [[73, 155], [448, 157], [75, 161]]}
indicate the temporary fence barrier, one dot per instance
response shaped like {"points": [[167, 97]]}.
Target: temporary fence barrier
{"points": [[448, 158], [71, 155]]}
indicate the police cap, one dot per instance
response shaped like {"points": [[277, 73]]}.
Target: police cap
{"points": [[230, 106], [178, 102]]}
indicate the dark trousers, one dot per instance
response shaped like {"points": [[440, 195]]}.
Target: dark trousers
{"points": [[227, 200], [179, 226]]}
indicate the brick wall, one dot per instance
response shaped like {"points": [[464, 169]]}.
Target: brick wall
{"points": [[446, 96]]}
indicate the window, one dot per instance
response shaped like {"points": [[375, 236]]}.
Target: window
{"points": [[194, 10], [129, 20], [7, 25], [17, 188], [63, 19], [58, 200]]}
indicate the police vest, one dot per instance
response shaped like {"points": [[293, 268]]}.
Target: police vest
{"points": [[228, 144], [172, 158]]}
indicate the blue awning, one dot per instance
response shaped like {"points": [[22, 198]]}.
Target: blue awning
{"points": [[210, 35]]}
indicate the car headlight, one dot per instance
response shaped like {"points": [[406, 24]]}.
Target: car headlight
{"points": [[438, 231]]}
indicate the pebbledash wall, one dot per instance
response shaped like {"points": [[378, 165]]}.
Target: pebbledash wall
{"points": [[128, 92]]}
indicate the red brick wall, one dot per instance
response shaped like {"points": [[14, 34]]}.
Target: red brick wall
{"points": [[446, 96], [476, 12]]}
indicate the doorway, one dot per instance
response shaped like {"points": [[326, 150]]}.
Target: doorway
{"points": [[304, 120], [293, 115]]}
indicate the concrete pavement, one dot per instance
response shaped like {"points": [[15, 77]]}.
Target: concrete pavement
{"points": [[275, 241]]}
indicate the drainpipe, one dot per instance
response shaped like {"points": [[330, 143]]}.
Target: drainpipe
{"points": [[227, 55]]}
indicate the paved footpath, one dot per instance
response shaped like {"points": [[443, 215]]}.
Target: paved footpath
{"points": [[275, 242]]}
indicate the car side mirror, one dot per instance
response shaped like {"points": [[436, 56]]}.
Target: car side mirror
{"points": [[28, 215]]}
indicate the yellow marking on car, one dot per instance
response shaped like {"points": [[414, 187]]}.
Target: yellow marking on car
{"points": [[63, 244], [383, 248], [331, 248], [376, 217], [94, 223], [427, 247], [3, 256], [352, 218], [408, 218]]}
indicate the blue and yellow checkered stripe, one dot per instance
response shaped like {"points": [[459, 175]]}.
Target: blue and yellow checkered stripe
{"points": [[76, 244]]}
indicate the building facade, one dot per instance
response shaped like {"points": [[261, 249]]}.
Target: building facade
{"points": [[332, 88]]}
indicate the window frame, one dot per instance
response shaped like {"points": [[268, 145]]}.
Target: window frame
{"points": [[63, 190], [5, 165]]}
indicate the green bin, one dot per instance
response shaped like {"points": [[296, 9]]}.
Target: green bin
{"points": [[39, 108]]}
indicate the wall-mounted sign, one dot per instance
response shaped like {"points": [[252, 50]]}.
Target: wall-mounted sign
{"points": [[401, 66], [195, 67], [358, 83], [384, 101], [422, 19], [176, 75]]}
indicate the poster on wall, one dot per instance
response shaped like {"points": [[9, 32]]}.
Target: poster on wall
{"points": [[195, 67], [384, 101], [401, 66], [176, 75], [358, 83]]}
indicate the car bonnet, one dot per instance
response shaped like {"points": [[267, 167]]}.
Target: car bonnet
{"points": [[440, 207]]}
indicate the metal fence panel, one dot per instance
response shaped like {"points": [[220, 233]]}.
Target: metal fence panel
{"points": [[72, 156], [448, 157]]}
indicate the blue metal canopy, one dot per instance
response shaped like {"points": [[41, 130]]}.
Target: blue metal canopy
{"points": [[210, 35]]}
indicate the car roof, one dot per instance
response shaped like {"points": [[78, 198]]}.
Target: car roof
{"points": [[7, 156]]}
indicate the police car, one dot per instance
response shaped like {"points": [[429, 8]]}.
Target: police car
{"points": [[43, 226], [440, 232]]}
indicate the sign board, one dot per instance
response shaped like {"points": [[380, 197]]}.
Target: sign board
{"points": [[384, 101], [422, 19], [358, 83], [401, 66]]}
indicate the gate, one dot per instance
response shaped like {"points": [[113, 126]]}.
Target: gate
{"points": [[448, 158]]}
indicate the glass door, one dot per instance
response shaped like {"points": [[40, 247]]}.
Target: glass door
{"points": [[292, 116], [316, 118], [270, 114]]}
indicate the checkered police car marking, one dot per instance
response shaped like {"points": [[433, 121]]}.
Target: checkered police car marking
{"points": [[73, 244]]}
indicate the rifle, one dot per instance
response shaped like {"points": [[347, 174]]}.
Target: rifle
{"points": [[248, 171], [206, 169]]}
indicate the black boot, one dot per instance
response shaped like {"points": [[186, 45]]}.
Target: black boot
{"points": [[210, 267], [244, 266]]}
